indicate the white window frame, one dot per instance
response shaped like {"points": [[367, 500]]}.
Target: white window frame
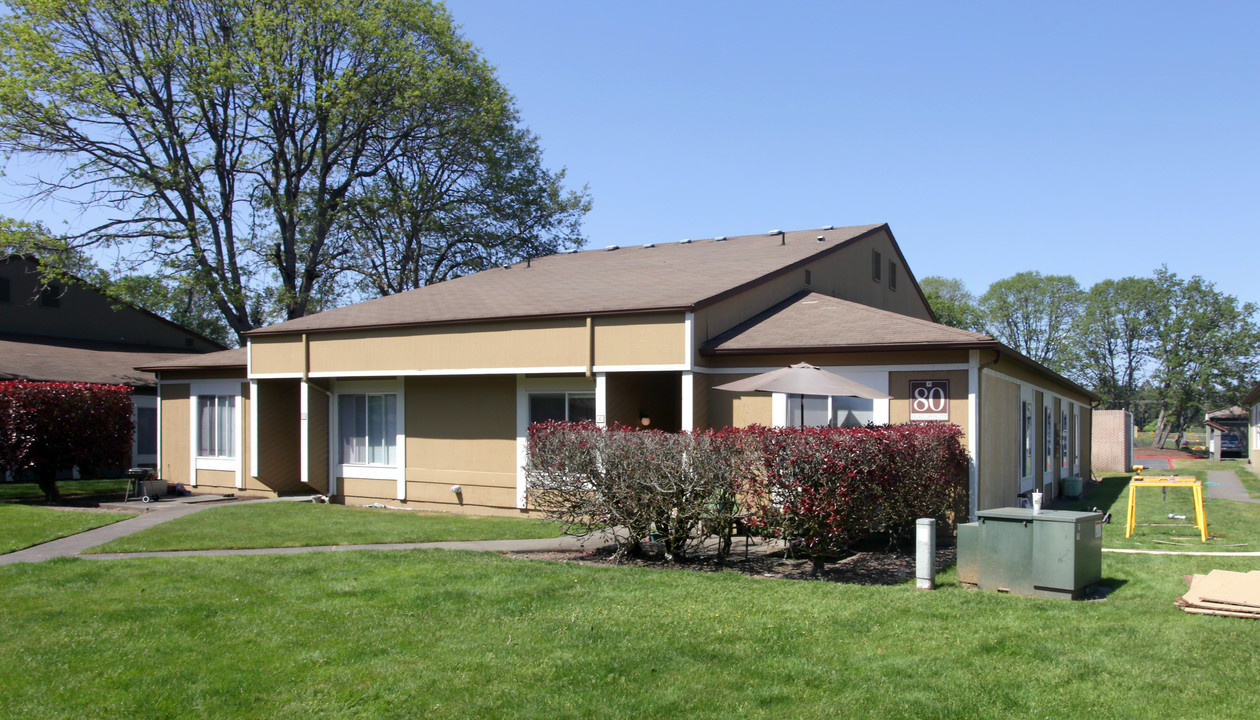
{"points": [[147, 402], [1076, 432], [526, 386], [1027, 411], [397, 471], [205, 388], [566, 393], [1064, 438]]}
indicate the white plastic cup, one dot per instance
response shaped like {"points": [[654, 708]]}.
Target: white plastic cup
{"points": [[1036, 503]]}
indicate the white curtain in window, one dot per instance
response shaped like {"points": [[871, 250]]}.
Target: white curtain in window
{"points": [[369, 429], [215, 432], [205, 425]]}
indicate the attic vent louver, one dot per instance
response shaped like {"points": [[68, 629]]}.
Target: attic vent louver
{"points": [[822, 238]]}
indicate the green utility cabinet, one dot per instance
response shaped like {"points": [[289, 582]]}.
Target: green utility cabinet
{"points": [[1054, 553]]}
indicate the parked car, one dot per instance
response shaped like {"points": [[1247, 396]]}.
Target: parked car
{"points": [[1231, 444]]}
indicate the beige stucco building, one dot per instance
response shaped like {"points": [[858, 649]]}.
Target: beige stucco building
{"points": [[404, 399]]}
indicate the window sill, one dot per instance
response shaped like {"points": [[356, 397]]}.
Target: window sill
{"points": [[217, 463], [368, 472]]}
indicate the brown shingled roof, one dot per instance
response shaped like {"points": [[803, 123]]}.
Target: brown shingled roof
{"points": [[812, 322], [57, 360], [223, 360], [671, 276]]}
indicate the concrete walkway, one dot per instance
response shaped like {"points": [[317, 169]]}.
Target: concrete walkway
{"points": [[159, 513], [1225, 485], [75, 544], [538, 545]]}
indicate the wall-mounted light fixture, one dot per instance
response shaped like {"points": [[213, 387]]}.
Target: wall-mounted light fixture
{"points": [[644, 420]]}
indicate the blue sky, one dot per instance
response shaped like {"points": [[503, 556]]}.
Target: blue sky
{"points": [[1093, 139]]}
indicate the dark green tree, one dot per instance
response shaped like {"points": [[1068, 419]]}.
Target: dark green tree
{"points": [[1034, 314], [1205, 351], [1115, 337], [231, 135], [952, 303]]}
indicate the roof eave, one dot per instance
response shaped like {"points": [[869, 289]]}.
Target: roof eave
{"points": [[263, 331]]}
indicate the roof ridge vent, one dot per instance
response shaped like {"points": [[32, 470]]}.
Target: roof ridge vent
{"points": [[649, 246], [685, 242], [720, 239], [828, 227], [613, 247]]}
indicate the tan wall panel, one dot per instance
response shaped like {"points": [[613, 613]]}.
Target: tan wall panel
{"points": [[175, 434], [279, 441], [700, 389], [473, 496], [726, 314], [484, 345], [376, 490], [223, 480], [1023, 373], [728, 409], [899, 388], [845, 274], [640, 340], [317, 426], [933, 357], [276, 354], [229, 374], [999, 443], [449, 507], [461, 423]]}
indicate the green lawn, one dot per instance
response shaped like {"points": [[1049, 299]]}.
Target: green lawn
{"points": [[21, 490], [441, 634], [1232, 526], [22, 526], [296, 524]]}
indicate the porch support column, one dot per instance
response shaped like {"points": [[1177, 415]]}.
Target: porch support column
{"points": [[688, 401], [304, 430], [973, 433], [601, 399]]}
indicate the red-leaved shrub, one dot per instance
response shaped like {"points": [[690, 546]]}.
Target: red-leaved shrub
{"points": [[821, 489], [49, 426]]}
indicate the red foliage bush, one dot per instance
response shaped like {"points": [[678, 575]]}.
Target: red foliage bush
{"points": [[820, 488], [48, 426]]}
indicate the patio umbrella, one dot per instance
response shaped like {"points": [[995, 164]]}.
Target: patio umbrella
{"points": [[804, 379]]}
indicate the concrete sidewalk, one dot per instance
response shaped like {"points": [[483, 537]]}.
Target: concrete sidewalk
{"points": [[1225, 485], [159, 513], [559, 544], [150, 515]]}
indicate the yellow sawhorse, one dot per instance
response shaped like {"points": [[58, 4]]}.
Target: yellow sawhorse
{"points": [[1176, 481]]}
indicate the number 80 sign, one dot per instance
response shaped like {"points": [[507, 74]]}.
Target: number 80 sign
{"points": [[929, 400]]}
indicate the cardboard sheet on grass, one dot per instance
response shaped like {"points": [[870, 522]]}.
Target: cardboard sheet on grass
{"points": [[1222, 592]]}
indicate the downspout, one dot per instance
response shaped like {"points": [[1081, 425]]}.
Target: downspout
{"points": [[590, 348]]}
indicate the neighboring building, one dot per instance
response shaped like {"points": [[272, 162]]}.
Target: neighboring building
{"points": [[1226, 431], [1112, 441], [401, 399], [72, 332], [1251, 405]]}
